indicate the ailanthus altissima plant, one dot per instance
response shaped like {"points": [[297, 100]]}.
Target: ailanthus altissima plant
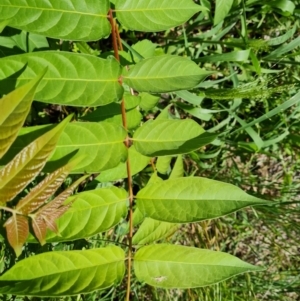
{"points": [[112, 140]]}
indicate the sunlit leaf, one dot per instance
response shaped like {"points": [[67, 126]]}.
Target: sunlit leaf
{"points": [[164, 73], [91, 213], [67, 19], [170, 137], [65, 273], [154, 15], [172, 266], [71, 79], [184, 200]]}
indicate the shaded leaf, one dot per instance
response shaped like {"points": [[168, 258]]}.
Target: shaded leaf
{"points": [[172, 266], [92, 212], [178, 169], [14, 109], [170, 137], [164, 73], [71, 79], [184, 200], [68, 19], [28, 163], [65, 273], [152, 230], [137, 163], [17, 231], [154, 15]]}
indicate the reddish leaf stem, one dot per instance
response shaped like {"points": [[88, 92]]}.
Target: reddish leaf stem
{"points": [[116, 41]]}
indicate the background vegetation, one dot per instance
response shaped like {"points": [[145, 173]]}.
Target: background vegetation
{"points": [[254, 47]]}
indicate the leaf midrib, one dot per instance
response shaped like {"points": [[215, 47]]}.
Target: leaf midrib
{"points": [[55, 10]]}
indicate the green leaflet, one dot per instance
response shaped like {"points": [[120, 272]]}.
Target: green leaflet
{"points": [[192, 199], [54, 274], [137, 163], [14, 110], [71, 79], [100, 143], [154, 15], [170, 137], [172, 266], [151, 230], [164, 73], [68, 19], [91, 213]]}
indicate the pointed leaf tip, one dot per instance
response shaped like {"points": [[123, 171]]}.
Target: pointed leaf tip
{"points": [[173, 266]]}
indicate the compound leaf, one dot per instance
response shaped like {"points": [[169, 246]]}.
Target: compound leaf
{"points": [[171, 266], [65, 273]]}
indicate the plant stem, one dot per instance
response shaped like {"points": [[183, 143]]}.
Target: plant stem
{"points": [[116, 41]]}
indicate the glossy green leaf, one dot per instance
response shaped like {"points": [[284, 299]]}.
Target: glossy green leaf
{"points": [[28, 163], [65, 273], [100, 143], [164, 73], [68, 19], [222, 9], [152, 230], [91, 213], [170, 137], [71, 79], [14, 109], [172, 266], [137, 163], [184, 200], [154, 15]]}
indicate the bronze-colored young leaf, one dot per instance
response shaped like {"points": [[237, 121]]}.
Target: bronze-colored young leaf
{"points": [[15, 107], [17, 231], [45, 189], [25, 166], [46, 216]]}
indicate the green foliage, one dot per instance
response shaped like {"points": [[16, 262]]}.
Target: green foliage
{"points": [[117, 139]]}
